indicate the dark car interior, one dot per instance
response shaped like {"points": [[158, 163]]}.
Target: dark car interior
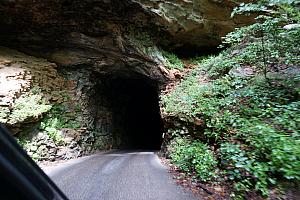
{"points": [[20, 176]]}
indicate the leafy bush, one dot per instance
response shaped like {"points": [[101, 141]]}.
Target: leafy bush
{"points": [[28, 106], [193, 156], [197, 60], [264, 118], [4, 113], [267, 155], [268, 44], [173, 62], [57, 120], [252, 121], [278, 148], [218, 66]]}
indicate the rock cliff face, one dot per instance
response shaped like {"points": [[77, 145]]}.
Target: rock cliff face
{"points": [[194, 23], [29, 88], [98, 88], [112, 35], [100, 32], [65, 113], [71, 33], [19, 74]]}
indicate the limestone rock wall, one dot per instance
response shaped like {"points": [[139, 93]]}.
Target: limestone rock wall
{"points": [[21, 74], [56, 104], [51, 113], [195, 23], [101, 26]]}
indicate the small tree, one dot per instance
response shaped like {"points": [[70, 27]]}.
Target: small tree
{"points": [[269, 44]]}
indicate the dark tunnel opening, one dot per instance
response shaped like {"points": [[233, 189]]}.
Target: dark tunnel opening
{"points": [[136, 119]]}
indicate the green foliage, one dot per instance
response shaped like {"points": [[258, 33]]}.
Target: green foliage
{"points": [[265, 117], [247, 8], [36, 90], [268, 154], [267, 44], [28, 106], [252, 120], [50, 127], [22, 141], [217, 66], [173, 62], [56, 120], [26, 144], [267, 6], [4, 112], [193, 156], [243, 167], [140, 39], [192, 100], [198, 60], [255, 121], [280, 149]]}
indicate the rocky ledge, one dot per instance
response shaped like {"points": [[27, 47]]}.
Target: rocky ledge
{"points": [[88, 59]]}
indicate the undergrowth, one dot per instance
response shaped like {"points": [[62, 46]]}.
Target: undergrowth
{"points": [[173, 62], [193, 156], [26, 107], [250, 120], [57, 120]]}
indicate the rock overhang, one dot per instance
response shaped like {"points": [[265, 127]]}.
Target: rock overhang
{"points": [[171, 24]]}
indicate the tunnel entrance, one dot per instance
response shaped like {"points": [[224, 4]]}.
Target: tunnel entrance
{"points": [[135, 113]]}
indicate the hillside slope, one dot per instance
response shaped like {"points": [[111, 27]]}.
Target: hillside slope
{"points": [[235, 119]]}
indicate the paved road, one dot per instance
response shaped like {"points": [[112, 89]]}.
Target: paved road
{"points": [[119, 175]]}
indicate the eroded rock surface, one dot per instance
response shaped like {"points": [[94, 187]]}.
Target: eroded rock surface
{"points": [[20, 73], [198, 23], [115, 37], [53, 28], [50, 113], [62, 97]]}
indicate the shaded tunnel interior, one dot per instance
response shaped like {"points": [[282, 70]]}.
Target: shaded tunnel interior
{"points": [[135, 115]]}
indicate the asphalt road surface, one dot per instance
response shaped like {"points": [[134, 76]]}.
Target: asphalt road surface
{"points": [[118, 175]]}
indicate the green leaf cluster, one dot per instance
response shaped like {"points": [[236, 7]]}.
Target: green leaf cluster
{"points": [[253, 121], [273, 41], [56, 120], [28, 106], [193, 156], [173, 62], [259, 124]]}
